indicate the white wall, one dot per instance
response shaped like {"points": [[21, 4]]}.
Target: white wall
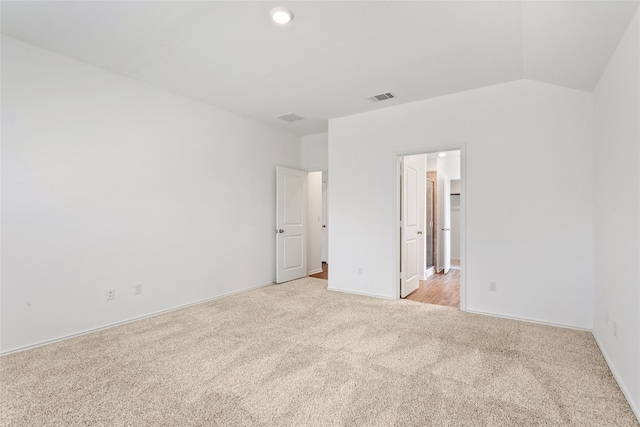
{"points": [[539, 255], [617, 213], [314, 152], [451, 164], [107, 182], [432, 162], [455, 186], [314, 222]]}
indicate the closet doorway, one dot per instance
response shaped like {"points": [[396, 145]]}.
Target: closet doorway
{"points": [[430, 243]]}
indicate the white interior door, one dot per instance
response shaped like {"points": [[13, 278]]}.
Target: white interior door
{"points": [[412, 217], [446, 224], [291, 227], [325, 223]]}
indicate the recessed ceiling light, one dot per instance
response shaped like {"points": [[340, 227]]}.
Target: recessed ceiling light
{"points": [[281, 15], [442, 154]]}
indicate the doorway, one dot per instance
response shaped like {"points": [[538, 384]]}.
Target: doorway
{"points": [[301, 224], [430, 243], [317, 230], [438, 232]]}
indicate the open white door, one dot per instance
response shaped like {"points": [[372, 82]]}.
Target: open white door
{"points": [[325, 223], [291, 227], [412, 217], [446, 225]]}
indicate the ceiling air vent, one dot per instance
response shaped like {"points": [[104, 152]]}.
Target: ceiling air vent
{"points": [[381, 97], [290, 117]]}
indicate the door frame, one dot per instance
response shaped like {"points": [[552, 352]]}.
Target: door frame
{"points": [[463, 213]]}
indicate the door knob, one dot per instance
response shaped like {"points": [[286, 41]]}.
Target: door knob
{"points": [[419, 232], [446, 229], [279, 230]]}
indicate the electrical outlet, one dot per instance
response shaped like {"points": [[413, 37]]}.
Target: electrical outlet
{"points": [[110, 294], [360, 271], [137, 289], [615, 328], [493, 286]]}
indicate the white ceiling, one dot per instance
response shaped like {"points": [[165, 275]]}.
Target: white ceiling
{"points": [[334, 54]]}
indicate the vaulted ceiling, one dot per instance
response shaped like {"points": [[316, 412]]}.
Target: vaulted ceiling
{"points": [[333, 55]]}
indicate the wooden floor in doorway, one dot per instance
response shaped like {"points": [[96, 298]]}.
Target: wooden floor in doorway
{"points": [[324, 274], [439, 289]]}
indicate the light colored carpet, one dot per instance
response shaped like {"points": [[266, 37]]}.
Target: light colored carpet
{"points": [[298, 355]]}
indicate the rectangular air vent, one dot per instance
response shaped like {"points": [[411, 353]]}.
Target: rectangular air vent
{"points": [[381, 97], [290, 117]]}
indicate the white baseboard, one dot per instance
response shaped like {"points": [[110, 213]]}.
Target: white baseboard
{"points": [[314, 272], [123, 322], [360, 293], [526, 319], [621, 384]]}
